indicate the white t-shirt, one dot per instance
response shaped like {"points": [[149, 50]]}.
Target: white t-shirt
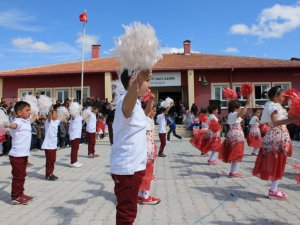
{"points": [[21, 138], [150, 124], [91, 123], [212, 117], [254, 120], [269, 108], [161, 120], [75, 128], [51, 129], [233, 119], [129, 150]]}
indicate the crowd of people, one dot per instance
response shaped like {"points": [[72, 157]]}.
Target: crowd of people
{"points": [[130, 125], [266, 132]]}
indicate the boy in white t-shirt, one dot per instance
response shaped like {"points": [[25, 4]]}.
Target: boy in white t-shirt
{"points": [[129, 151], [20, 131], [50, 142], [162, 132], [75, 129], [91, 124]]}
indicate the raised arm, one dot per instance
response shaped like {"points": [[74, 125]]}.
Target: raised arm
{"points": [[244, 110], [149, 105], [133, 92]]}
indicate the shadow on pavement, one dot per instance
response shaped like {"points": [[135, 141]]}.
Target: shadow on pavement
{"points": [[3, 185], [258, 221], [67, 214], [235, 192], [94, 193]]}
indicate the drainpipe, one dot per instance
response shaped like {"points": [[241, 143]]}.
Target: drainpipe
{"points": [[230, 77]]}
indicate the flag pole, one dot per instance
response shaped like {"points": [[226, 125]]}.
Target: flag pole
{"points": [[82, 64]]}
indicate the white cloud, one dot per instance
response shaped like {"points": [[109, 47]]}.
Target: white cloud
{"points": [[231, 50], [88, 42], [273, 22], [170, 50], [27, 44], [17, 20]]}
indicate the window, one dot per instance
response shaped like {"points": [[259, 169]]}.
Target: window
{"points": [[217, 93], [44, 91], [22, 92], [62, 94], [283, 85], [76, 93], [260, 94]]}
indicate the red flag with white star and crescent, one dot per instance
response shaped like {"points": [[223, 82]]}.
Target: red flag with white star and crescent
{"points": [[83, 17]]}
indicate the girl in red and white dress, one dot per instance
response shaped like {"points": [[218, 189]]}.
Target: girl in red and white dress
{"points": [[144, 197], [276, 145], [233, 146], [211, 140], [254, 137], [198, 133]]}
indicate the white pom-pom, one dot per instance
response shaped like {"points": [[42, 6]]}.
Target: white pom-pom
{"points": [[117, 87], [44, 104], [3, 118], [138, 47], [75, 109], [168, 102], [87, 112], [63, 112], [32, 101]]}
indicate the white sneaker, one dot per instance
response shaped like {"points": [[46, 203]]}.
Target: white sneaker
{"points": [[76, 165]]}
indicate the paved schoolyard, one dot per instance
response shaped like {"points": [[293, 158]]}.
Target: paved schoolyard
{"points": [[191, 191]]}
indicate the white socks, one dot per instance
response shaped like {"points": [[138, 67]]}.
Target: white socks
{"points": [[234, 167], [213, 155], [144, 194], [274, 185], [255, 151]]}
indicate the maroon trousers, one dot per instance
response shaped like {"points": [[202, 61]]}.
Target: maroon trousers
{"points": [[126, 190], [92, 142], [162, 138], [18, 172], [50, 160], [74, 151]]}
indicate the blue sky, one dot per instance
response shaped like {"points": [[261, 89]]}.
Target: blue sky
{"points": [[43, 32]]}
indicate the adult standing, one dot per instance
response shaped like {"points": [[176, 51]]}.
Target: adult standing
{"points": [[129, 151]]}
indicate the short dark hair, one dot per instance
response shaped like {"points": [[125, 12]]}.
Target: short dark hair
{"points": [[274, 91], [212, 108], [125, 78], [255, 110], [20, 105], [233, 104]]}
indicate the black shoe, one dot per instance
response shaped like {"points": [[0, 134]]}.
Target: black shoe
{"points": [[51, 177], [161, 155]]}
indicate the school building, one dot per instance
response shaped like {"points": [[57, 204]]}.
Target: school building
{"points": [[190, 77]]}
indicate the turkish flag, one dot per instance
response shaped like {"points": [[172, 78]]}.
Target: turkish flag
{"points": [[83, 17]]}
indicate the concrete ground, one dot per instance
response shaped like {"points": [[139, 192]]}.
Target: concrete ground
{"points": [[191, 192]]}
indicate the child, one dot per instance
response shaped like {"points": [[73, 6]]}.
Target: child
{"points": [[172, 125], [20, 131], [232, 150], [75, 129], [91, 132], [144, 194], [129, 151], [211, 141], [50, 143], [276, 146], [254, 136], [161, 120]]}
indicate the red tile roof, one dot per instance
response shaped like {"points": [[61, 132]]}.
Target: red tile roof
{"points": [[168, 62]]}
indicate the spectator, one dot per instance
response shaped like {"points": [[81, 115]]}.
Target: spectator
{"points": [[194, 109]]}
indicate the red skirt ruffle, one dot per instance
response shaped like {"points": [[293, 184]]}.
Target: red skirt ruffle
{"points": [[146, 181], [254, 141], [197, 138], [269, 165], [210, 143], [298, 178], [231, 152]]}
